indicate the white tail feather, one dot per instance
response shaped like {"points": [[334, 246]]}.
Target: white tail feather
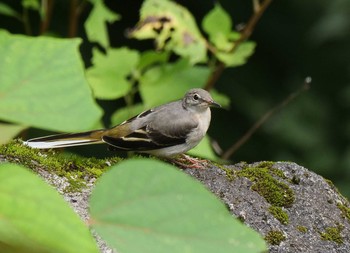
{"points": [[58, 143], [66, 140]]}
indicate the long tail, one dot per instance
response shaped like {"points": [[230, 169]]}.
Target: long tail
{"points": [[66, 140]]}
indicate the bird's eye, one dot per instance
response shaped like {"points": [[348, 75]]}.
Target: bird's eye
{"points": [[195, 97]]}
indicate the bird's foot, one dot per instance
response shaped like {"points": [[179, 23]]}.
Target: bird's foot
{"points": [[188, 162]]}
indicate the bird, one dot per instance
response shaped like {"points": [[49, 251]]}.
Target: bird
{"points": [[165, 131]]}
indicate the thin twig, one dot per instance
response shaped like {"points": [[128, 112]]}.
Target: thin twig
{"points": [[256, 5], [259, 9], [76, 9], [228, 153], [73, 19], [47, 5]]}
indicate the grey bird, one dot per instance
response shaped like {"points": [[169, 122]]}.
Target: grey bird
{"points": [[165, 131]]}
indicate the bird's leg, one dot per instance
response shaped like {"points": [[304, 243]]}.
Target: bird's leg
{"points": [[186, 161]]}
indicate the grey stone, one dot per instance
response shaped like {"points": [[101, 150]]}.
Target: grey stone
{"points": [[315, 207]]}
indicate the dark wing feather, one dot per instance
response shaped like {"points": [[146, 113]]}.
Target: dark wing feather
{"points": [[148, 138], [135, 141], [156, 128]]}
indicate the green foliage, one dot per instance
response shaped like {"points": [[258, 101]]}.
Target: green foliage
{"points": [[34, 218], [173, 28], [136, 201], [95, 25], [218, 25], [108, 76], [31, 4], [157, 80], [237, 57], [116, 73], [44, 85], [202, 150], [222, 99], [140, 201], [126, 113], [8, 11]]}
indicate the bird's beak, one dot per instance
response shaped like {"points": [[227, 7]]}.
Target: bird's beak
{"points": [[213, 103]]}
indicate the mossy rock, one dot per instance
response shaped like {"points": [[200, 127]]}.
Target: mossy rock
{"points": [[294, 209], [74, 169]]}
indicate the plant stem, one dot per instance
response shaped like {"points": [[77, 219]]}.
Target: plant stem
{"points": [[259, 9], [47, 6], [73, 19], [76, 8], [229, 152]]}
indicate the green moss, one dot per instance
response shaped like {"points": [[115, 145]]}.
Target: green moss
{"points": [[330, 183], [302, 229], [230, 174], [274, 191], [279, 214], [345, 210], [274, 237], [76, 169], [332, 186], [278, 173], [333, 234], [265, 164]]}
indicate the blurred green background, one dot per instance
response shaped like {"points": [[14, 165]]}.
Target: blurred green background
{"points": [[295, 39]]}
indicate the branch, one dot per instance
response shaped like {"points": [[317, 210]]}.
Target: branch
{"points": [[76, 8], [47, 6], [228, 153], [259, 9]]}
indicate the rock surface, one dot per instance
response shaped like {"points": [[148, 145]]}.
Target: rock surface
{"points": [[318, 217], [295, 209]]}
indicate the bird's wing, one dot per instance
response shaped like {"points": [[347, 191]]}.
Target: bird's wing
{"points": [[155, 130]]}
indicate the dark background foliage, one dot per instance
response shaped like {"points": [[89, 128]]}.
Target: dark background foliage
{"points": [[295, 39]]}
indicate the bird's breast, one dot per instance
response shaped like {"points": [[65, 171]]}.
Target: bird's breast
{"points": [[199, 132]]}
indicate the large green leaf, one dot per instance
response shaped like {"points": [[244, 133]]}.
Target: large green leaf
{"points": [[96, 24], [144, 205], [35, 218], [173, 27], [108, 76], [42, 84], [169, 82]]}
